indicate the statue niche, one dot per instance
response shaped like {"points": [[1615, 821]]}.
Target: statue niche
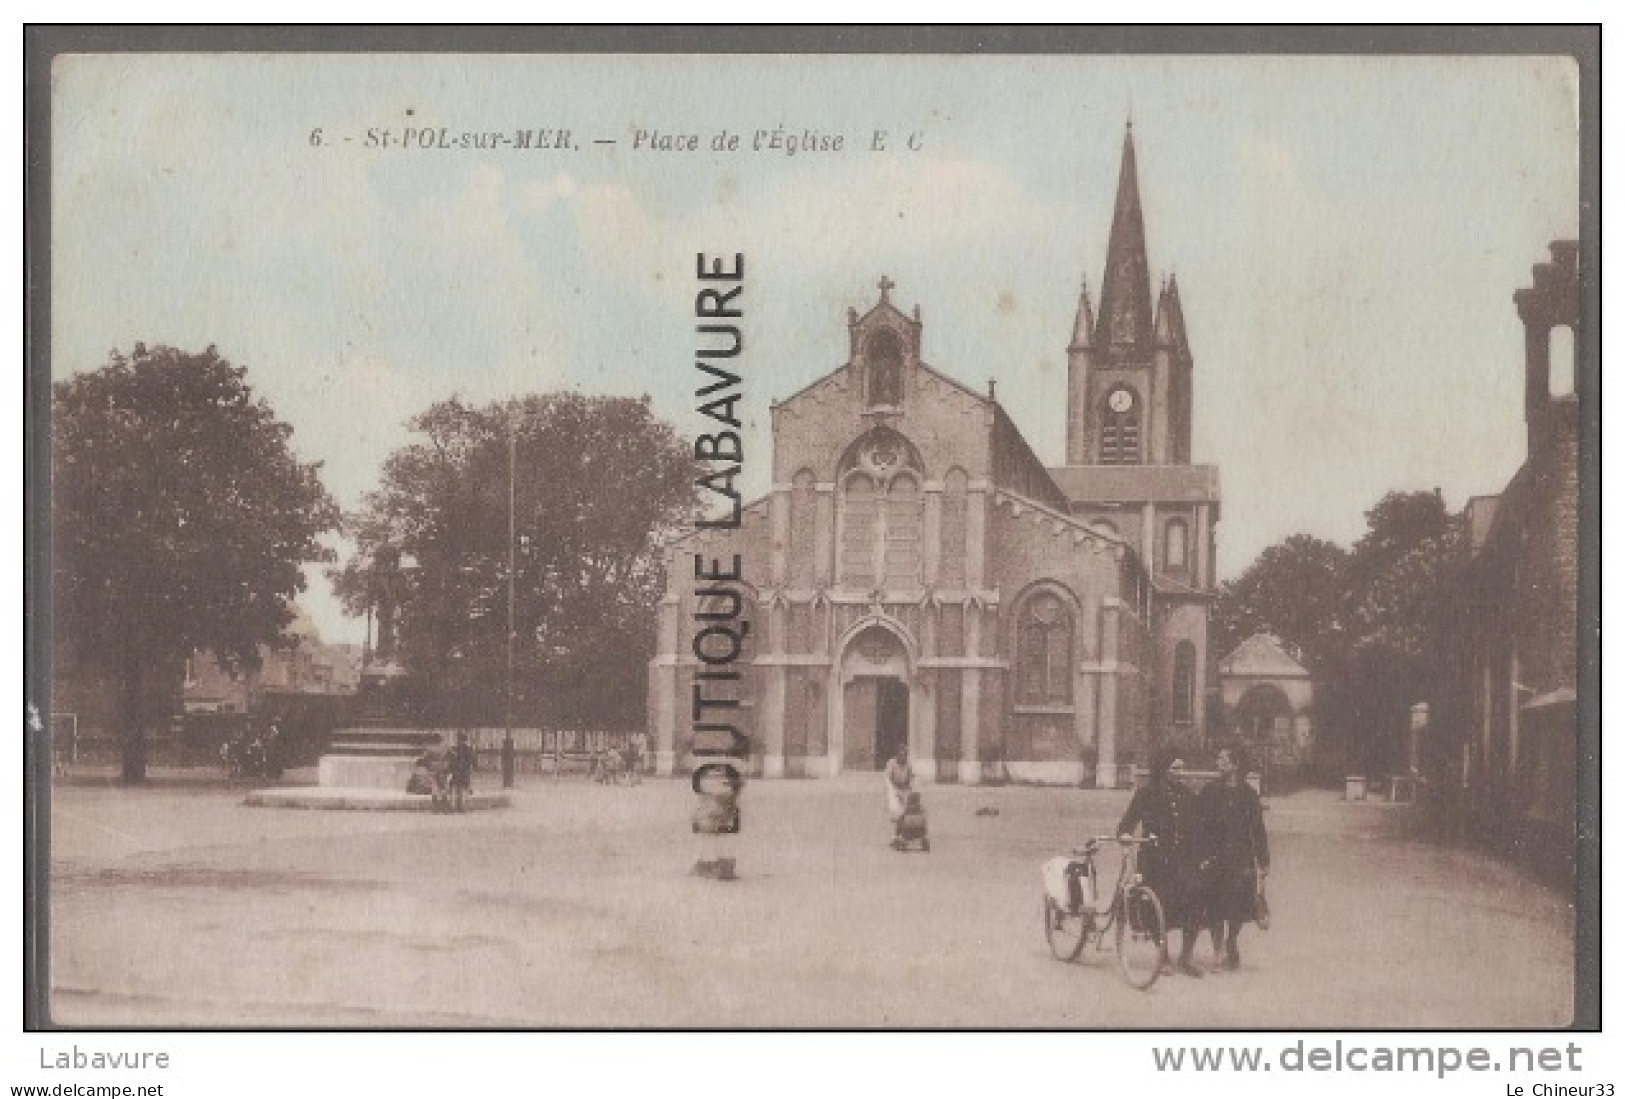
{"points": [[883, 354]]}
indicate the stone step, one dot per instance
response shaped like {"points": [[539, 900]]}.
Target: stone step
{"points": [[378, 748], [387, 734], [337, 797]]}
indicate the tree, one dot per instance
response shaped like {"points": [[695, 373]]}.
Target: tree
{"points": [[180, 518], [599, 481], [1294, 590], [1400, 594], [1371, 622]]}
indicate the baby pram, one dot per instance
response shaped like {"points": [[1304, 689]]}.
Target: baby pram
{"points": [[911, 825]]}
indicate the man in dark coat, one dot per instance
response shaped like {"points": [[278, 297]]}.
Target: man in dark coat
{"points": [[1238, 856], [462, 772], [1168, 811]]}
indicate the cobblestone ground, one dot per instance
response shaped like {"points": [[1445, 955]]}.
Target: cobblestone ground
{"points": [[175, 905]]}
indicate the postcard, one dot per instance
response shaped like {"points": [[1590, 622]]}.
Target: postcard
{"points": [[556, 539]]}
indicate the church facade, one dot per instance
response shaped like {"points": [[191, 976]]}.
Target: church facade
{"points": [[918, 574]]}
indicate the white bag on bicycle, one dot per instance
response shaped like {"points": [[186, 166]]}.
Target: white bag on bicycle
{"points": [[1059, 874]]}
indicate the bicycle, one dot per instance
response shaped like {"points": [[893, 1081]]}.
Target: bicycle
{"points": [[1132, 913]]}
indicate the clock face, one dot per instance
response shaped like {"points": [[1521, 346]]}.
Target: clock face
{"points": [[1121, 400]]}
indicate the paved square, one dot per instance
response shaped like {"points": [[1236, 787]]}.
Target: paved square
{"points": [[178, 906]]}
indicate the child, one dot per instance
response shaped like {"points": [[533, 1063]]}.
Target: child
{"points": [[422, 777], [899, 784], [439, 758]]}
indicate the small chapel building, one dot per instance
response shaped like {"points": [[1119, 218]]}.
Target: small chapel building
{"points": [[919, 575]]}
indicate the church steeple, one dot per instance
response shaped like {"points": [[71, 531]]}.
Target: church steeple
{"points": [[1125, 325]]}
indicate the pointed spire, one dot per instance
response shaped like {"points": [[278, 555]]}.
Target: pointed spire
{"points": [[1171, 317], [1083, 328], [1125, 291]]}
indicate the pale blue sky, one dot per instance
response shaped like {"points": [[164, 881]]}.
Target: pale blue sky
{"points": [[1347, 233]]}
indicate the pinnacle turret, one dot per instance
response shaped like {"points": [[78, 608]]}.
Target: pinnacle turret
{"points": [[1170, 330], [1083, 328]]}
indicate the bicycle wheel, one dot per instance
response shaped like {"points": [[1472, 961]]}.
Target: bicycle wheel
{"points": [[1065, 932], [1142, 945]]}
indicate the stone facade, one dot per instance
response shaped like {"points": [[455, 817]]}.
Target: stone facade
{"points": [[1504, 737], [1268, 700], [918, 574]]}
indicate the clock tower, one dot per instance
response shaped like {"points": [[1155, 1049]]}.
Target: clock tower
{"points": [[1128, 453], [1128, 369]]}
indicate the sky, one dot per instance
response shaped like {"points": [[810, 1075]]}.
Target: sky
{"points": [[1347, 235]]}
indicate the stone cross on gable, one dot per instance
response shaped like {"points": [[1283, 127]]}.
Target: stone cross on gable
{"points": [[886, 287]]}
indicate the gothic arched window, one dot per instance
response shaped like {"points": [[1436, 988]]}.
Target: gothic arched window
{"points": [[904, 510], [860, 525], [1175, 547], [884, 353], [802, 549], [951, 559], [1185, 682], [1044, 651], [882, 512]]}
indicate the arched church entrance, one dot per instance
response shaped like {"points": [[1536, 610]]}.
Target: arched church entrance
{"points": [[874, 717]]}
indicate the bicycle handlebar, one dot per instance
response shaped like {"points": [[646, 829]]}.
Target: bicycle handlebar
{"points": [[1094, 843]]}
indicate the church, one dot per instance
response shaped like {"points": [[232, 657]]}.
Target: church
{"points": [[919, 575]]}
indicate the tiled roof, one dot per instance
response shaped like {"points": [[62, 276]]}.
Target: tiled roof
{"points": [[1262, 655]]}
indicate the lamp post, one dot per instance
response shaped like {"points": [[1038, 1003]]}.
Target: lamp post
{"points": [[507, 732]]}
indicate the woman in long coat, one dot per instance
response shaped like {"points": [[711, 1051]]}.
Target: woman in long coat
{"points": [[1239, 854], [1164, 808]]}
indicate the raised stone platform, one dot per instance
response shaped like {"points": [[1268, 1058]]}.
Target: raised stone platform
{"points": [[338, 797], [348, 772], [374, 757], [369, 768]]}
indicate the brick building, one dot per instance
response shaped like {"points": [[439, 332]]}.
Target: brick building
{"points": [[309, 667], [188, 705], [918, 573], [1505, 731]]}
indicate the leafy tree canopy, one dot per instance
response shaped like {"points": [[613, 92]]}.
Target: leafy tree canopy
{"points": [[599, 481], [1401, 595], [1372, 622], [180, 518], [1294, 591]]}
